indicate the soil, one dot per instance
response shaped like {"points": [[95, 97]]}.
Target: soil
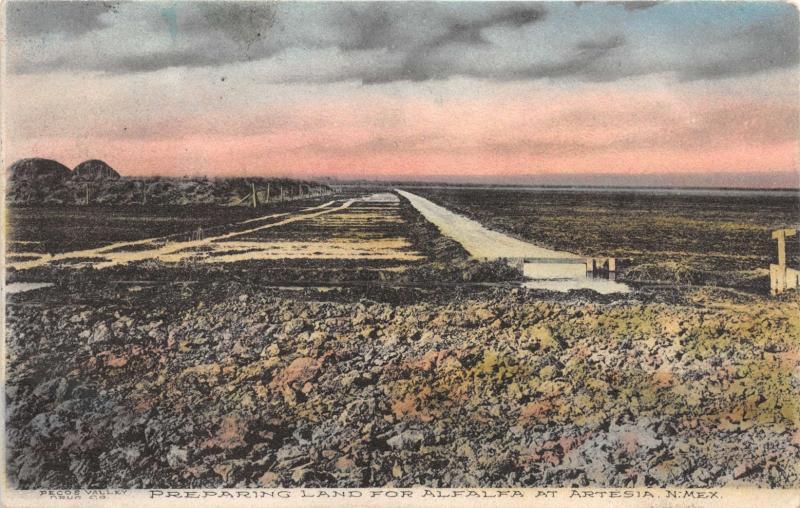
{"points": [[55, 229], [362, 373], [230, 384], [673, 238]]}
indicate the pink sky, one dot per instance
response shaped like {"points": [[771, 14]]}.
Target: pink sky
{"points": [[476, 91], [465, 129]]}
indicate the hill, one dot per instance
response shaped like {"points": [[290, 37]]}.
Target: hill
{"points": [[95, 170], [35, 169], [46, 182]]}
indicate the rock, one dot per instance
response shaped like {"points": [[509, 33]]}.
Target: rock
{"points": [[465, 450], [257, 370], [300, 370], [298, 475], [468, 405], [539, 336], [111, 360], [410, 439], [224, 470], [177, 456], [271, 350], [80, 468], [130, 455], [46, 424], [484, 314], [122, 324], [208, 373], [347, 380], [53, 389], [744, 470], [81, 317], [269, 479], [100, 333], [345, 464], [231, 433]]}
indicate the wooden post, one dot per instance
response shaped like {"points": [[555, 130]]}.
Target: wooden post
{"points": [[268, 185], [87, 195], [781, 235], [253, 196], [778, 273]]}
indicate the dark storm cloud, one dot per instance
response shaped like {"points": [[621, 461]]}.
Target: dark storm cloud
{"points": [[419, 62], [239, 19], [754, 49], [383, 42], [223, 33], [601, 46], [471, 32], [584, 61], [638, 6], [37, 18], [146, 63], [628, 5]]}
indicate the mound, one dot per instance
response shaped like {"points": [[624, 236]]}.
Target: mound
{"points": [[38, 169], [95, 170]]}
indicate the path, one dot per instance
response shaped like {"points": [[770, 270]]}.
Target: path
{"points": [[118, 253]]}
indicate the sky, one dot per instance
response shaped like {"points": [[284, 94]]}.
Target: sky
{"points": [[683, 93]]}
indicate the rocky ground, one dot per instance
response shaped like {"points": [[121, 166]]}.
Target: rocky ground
{"points": [[441, 373], [228, 384]]}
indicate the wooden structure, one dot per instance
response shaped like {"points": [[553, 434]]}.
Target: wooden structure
{"points": [[251, 197], [256, 198], [781, 277], [605, 267]]}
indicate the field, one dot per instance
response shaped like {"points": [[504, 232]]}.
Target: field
{"points": [[54, 229], [677, 238], [345, 342]]}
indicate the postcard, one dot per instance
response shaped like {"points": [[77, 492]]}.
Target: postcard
{"points": [[400, 253]]}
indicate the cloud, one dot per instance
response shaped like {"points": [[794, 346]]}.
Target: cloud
{"points": [[26, 19], [638, 6], [471, 32], [749, 50], [385, 42], [601, 46], [628, 5]]}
